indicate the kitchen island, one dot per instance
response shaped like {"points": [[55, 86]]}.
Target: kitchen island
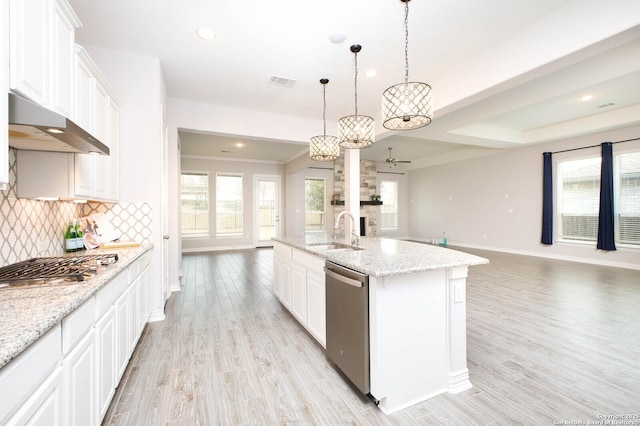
{"points": [[417, 311]]}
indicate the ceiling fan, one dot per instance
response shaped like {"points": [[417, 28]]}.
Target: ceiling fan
{"points": [[392, 162]]}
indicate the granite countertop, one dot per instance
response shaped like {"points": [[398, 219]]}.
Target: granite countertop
{"points": [[26, 314], [383, 257]]}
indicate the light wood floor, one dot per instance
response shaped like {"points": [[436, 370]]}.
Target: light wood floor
{"points": [[547, 341]]}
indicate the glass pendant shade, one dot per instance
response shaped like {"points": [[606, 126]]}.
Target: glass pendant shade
{"points": [[407, 105], [323, 147], [356, 131]]}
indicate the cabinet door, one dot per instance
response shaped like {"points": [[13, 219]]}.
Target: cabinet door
{"points": [[79, 383], [299, 293], [134, 301], [122, 326], [105, 361], [114, 148], [29, 62], [277, 276], [287, 290], [316, 314], [62, 59], [44, 407], [4, 89]]}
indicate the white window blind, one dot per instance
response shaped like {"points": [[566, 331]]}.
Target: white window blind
{"points": [[229, 205], [579, 198], [194, 196], [389, 208], [628, 206]]}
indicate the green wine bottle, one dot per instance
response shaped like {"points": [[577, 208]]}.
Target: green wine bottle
{"points": [[70, 238], [79, 239]]}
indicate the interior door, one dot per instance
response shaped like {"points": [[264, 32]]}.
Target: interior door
{"points": [[267, 209]]}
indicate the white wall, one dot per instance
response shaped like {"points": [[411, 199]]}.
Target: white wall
{"points": [[248, 170], [139, 86], [495, 202]]}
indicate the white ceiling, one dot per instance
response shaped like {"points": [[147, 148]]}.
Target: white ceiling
{"points": [[504, 73]]}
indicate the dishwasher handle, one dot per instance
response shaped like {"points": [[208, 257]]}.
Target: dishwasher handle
{"points": [[342, 278]]}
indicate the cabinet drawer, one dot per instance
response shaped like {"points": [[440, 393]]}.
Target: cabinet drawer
{"points": [[24, 374], [309, 261], [282, 251], [111, 292], [76, 324]]}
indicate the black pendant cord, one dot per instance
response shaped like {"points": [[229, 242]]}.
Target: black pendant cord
{"points": [[324, 109], [406, 42], [594, 146], [356, 83]]}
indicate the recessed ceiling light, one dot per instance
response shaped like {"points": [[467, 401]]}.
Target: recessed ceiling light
{"points": [[337, 37], [370, 73], [585, 98], [239, 144], [205, 33]]}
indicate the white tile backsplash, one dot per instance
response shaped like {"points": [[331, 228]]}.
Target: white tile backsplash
{"points": [[30, 228]]}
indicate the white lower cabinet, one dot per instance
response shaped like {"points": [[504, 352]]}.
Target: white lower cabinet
{"points": [[79, 373], [105, 341], [316, 307], [122, 323], [44, 407], [69, 376], [299, 284], [299, 293]]}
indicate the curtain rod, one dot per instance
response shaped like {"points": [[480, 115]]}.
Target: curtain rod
{"points": [[594, 146]]}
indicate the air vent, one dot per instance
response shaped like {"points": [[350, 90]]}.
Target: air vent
{"points": [[281, 81], [606, 105]]}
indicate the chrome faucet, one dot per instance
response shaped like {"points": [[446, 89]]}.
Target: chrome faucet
{"points": [[355, 238]]}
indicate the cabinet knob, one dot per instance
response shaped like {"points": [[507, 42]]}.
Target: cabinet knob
{"points": [[165, 237]]}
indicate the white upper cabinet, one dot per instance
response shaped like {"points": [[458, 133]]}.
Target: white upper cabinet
{"points": [[4, 87], [96, 176], [41, 52], [62, 59]]}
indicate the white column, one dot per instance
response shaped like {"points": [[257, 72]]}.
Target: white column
{"points": [[352, 190], [457, 330]]}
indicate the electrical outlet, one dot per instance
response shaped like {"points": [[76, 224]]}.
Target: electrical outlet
{"points": [[458, 293]]}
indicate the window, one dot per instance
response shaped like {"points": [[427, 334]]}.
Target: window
{"points": [[314, 204], [628, 193], [194, 195], [578, 198], [389, 208], [229, 215]]}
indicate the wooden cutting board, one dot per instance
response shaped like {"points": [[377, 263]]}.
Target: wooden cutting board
{"points": [[120, 244]]}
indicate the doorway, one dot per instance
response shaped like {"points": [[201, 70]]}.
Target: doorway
{"points": [[267, 205]]}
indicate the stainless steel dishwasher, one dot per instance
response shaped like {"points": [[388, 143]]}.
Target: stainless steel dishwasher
{"points": [[347, 297]]}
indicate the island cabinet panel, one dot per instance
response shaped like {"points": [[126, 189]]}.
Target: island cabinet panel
{"points": [[316, 307], [105, 341], [299, 284]]}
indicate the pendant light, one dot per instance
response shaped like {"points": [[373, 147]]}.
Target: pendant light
{"points": [[356, 131], [323, 147], [407, 105]]}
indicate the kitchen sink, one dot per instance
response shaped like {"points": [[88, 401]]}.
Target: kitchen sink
{"points": [[333, 247]]}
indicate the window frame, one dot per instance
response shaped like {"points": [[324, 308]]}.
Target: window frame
{"points": [[323, 226], [204, 233], [239, 233], [386, 204], [558, 182]]}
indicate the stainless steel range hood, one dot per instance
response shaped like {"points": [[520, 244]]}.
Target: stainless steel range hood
{"points": [[35, 128]]}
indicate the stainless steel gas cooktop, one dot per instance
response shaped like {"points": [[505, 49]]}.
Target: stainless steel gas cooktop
{"points": [[55, 270]]}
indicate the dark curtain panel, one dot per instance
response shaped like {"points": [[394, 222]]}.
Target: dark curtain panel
{"points": [[606, 236], [547, 199]]}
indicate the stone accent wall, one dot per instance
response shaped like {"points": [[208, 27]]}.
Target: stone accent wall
{"points": [[368, 173]]}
